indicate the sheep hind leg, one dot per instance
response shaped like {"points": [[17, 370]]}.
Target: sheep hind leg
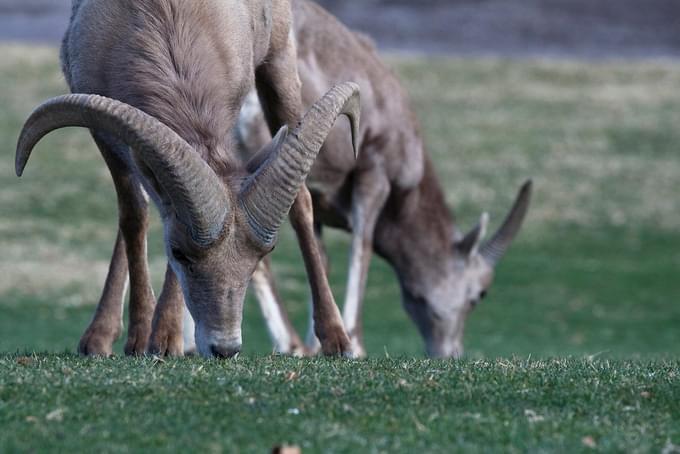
{"points": [[167, 326], [278, 86], [370, 192], [312, 343], [327, 321], [133, 218], [107, 323], [284, 336]]}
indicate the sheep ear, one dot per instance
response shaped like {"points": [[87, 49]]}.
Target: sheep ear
{"points": [[470, 243], [265, 152], [493, 250]]}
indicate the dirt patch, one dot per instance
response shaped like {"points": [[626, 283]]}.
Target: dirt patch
{"points": [[562, 28]]}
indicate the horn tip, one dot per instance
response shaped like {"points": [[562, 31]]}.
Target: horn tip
{"points": [[20, 162], [351, 85], [525, 191]]}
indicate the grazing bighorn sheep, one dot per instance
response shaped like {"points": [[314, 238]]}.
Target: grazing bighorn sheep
{"points": [[164, 83], [389, 198]]}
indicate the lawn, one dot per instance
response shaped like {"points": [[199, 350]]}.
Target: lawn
{"points": [[70, 404], [592, 277]]}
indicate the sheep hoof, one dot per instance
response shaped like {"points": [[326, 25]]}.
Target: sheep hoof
{"points": [[97, 341], [334, 342], [166, 342], [137, 341]]}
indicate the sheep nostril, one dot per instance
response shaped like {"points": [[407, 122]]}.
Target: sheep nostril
{"points": [[220, 351]]}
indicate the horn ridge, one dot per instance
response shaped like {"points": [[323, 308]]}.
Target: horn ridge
{"points": [[268, 194], [193, 189]]}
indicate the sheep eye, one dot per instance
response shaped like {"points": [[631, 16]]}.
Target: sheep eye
{"points": [[482, 295], [179, 256], [435, 316]]}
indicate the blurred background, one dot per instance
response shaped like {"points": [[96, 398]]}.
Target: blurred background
{"points": [[581, 95], [581, 28]]}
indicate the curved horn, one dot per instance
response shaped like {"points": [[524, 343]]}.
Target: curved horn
{"points": [[189, 183], [494, 249], [268, 194]]}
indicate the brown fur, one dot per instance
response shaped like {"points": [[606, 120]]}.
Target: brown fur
{"points": [[390, 198], [190, 65]]}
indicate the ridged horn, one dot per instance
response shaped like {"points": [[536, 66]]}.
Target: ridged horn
{"points": [[494, 249], [267, 195], [188, 182]]}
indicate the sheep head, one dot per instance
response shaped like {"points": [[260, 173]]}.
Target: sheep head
{"points": [[440, 299], [216, 230]]}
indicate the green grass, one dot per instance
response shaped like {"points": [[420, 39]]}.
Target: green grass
{"points": [[593, 273], [65, 403]]}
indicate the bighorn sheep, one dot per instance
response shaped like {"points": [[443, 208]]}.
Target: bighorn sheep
{"points": [[389, 199], [163, 82]]}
